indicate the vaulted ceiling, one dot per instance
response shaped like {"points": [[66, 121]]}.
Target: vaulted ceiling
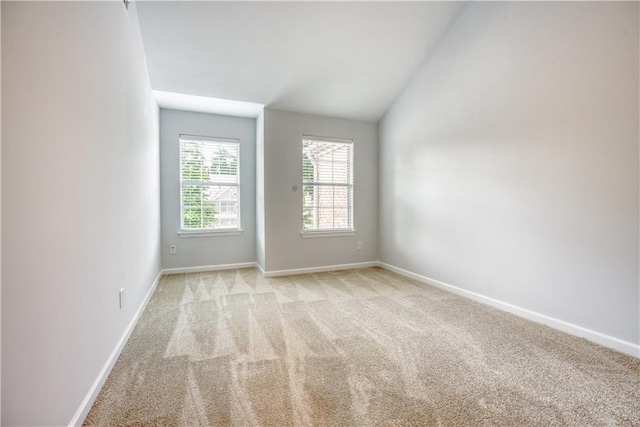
{"points": [[337, 59]]}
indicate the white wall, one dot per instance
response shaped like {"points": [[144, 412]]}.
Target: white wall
{"points": [[285, 248], [509, 165], [206, 251], [80, 199]]}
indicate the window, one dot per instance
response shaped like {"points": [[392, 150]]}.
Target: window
{"points": [[209, 184], [327, 184]]}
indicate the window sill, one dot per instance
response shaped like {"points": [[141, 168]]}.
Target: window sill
{"points": [[328, 233], [210, 233]]}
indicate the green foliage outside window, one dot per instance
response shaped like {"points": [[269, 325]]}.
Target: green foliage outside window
{"points": [[199, 211], [308, 175], [223, 164]]}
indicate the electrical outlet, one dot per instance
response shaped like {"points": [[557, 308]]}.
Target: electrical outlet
{"points": [[359, 246], [173, 250], [121, 297]]}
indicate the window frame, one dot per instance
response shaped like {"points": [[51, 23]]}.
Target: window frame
{"points": [[205, 232], [333, 232]]}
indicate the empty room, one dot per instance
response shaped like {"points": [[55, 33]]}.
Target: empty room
{"points": [[420, 213]]}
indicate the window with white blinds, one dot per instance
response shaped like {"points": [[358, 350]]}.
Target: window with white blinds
{"points": [[209, 183], [327, 184]]}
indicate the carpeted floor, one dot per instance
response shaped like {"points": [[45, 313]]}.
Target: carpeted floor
{"points": [[358, 347]]}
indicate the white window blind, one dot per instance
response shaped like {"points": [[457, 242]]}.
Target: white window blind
{"points": [[327, 182], [209, 183]]}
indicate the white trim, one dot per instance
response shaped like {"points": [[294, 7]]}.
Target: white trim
{"points": [[597, 337], [204, 139], [92, 394], [291, 272], [328, 184], [259, 268], [203, 268], [210, 233], [349, 185], [316, 138], [209, 183], [196, 138], [328, 233]]}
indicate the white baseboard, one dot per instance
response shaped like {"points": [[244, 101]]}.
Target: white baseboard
{"points": [[599, 338], [260, 269], [89, 399], [291, 272], [204, 268]]}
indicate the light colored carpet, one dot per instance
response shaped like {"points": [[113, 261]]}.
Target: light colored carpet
{"points": [[359, 347]]}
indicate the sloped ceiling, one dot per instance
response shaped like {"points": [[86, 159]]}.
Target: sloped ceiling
{"points": [[336, 59]]}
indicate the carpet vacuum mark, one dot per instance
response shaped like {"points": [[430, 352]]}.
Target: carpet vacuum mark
{"points": [[357, 347]]}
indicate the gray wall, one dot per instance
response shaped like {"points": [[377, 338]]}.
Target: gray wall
{"points": [[80, 199], [509, 165], [204, 251], [260, 219], [0, 219], [285, 248]]}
